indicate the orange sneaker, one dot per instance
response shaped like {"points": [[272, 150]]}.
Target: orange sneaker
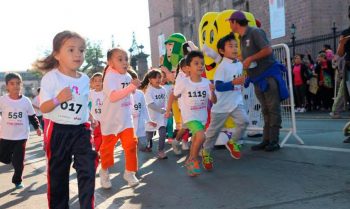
{"points": [[234, 148], [207, 160], [193, 168]]}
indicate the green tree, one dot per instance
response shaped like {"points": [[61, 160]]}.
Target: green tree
{"points": [[93, 56]]}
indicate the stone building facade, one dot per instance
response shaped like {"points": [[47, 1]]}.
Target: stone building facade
{"points": [[311, 17]]}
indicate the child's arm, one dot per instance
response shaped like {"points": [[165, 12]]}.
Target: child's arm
{"points": [[35, 123], [117, 95], [145, 112], [155, 107], [64, 95], [213, 97]]}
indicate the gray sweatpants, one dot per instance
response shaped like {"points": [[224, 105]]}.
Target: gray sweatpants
{"points": [[271, 110], [217, 122]]}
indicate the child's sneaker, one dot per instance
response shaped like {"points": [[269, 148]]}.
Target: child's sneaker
{"points": [[104, 179], [185, 145], [19, 186], [161, 155], [234, 149], [207, 160], [175, 145], [193, 168], [130, 177]]}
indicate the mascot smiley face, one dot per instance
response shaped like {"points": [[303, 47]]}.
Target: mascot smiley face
{"points": [[207, 32]]}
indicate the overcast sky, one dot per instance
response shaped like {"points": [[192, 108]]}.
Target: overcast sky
{"points": [[28, 26]]}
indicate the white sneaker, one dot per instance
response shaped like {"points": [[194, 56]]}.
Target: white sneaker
{"points": [[104, 178], [130, 177], [185, 145], [302, 109], [175, 145]]}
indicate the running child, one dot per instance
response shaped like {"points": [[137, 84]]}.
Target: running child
{"points": [[195, 92], [228, 81], [64, 98], [96, 97], [156, 98], [16, 110], [116, 117]]}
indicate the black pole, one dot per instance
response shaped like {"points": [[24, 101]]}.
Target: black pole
{"points": [[293, 43], [334, 36]]}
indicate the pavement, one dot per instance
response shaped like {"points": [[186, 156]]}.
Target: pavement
{"points": [[311, 176]]}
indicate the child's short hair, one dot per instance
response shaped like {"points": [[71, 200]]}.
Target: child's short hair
{"points": [[10, 76], [98, 74], [132, 73], [193, 54], [221, 43]]}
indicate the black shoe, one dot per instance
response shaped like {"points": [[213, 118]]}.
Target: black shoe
{"points": [[347, 140], [260, 146], [273, 146]]}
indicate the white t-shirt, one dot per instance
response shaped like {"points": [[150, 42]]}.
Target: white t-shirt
{"points": [[96, 98], [74, 111], [36, 102], [15, 122], [227, 101], [195, 98], [116, 116], [140, 113], [159, 98]]}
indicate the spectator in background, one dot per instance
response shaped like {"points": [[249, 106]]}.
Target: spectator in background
{"points": [[300, 75], [328, 51], [325, 76]]}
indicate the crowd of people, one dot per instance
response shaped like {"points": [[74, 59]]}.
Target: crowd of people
{"points": [[83, 118]]}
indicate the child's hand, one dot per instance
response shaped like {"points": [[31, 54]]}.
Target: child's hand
{"points": [[162, 111], [212, 87], [94, 123], [64, 95], [38, 132], [239, 80], [136, 82], [167, 114], [154, 124]]}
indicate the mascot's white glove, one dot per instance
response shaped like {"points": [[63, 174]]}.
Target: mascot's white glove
{"points": [[211, 53]]}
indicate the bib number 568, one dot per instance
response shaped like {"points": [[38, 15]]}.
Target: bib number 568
{"points": [[71, 107]]}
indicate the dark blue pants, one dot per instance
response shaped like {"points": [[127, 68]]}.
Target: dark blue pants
{"points": [[64, 142], [13, 151]]}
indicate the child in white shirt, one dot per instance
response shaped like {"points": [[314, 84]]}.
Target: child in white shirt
{"points": [[96, 97], [16, 110], [116, 118], [195, 93], [228, 80], [156, 98]]}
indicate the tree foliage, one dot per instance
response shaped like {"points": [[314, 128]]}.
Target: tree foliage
{"points": [[93, 57]]}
